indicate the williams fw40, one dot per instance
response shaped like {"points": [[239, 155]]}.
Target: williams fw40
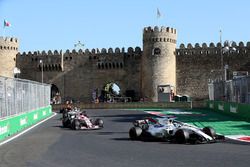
{"points": [[171, 130], [76, 120]]}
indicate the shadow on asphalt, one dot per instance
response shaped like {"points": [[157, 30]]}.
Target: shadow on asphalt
{"points": [[110, 133], [123, 115], [122, 139], [57, 126], [61, 127], [140, 140], [159, 141]]}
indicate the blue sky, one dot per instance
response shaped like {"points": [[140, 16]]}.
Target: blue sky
{"points": [[59, 24]]}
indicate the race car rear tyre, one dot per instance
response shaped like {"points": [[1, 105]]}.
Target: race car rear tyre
{"points": [[135, 133], [181, 136], [99, 122], [76, 125], [209, 131]]}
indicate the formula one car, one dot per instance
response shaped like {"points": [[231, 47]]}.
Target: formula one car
{"points": [[76, 120], [169, 129]]}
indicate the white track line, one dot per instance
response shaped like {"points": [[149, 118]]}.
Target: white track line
{"points": [[26, 130]]}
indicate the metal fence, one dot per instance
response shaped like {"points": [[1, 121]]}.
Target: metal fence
{"points": [[19, 96], [235, 90]]}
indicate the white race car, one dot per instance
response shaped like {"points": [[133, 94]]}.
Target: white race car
{"points": [[169, 129]]}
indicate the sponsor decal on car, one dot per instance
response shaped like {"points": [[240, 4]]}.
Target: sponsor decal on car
{"points": [[158, 126]]}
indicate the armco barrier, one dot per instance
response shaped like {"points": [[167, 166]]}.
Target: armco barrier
{"points": [[230, 108], [14, 124]]}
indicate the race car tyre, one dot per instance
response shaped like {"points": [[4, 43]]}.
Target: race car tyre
{"points": [[99, 122], [209, 131], [195, 139], [76, 125], [181, 136], [135, 133], [65, 123]]}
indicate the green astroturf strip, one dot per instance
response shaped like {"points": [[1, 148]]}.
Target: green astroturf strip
{"points": [[224, 124]]}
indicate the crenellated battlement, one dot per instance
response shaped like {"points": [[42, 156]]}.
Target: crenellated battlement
{"points": [[156, 29], [156, 34], [113, 51], [9, 43], [57, 59], [38, 53], [130, 50], [212, 45], [211, 48], [9, 39]]}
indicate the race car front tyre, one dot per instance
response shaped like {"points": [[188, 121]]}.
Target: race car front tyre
{"points": [[209, 131], [135, 133], [181, 136], [65, 122], [76, 124]]}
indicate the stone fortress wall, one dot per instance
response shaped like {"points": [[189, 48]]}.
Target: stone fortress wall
{"points": [[77, 74], [199, 64], [8, 51]]}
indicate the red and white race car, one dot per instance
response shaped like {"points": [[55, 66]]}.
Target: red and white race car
{"points": [[77, 120]]}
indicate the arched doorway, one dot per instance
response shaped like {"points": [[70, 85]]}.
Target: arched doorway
{"points": [[110, 92], [55, 95]]}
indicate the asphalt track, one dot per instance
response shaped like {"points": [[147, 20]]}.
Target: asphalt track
{"points": [[51, 145]]}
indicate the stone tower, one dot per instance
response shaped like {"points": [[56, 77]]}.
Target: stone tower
{"points": [[8, 52], [158, 60]]}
